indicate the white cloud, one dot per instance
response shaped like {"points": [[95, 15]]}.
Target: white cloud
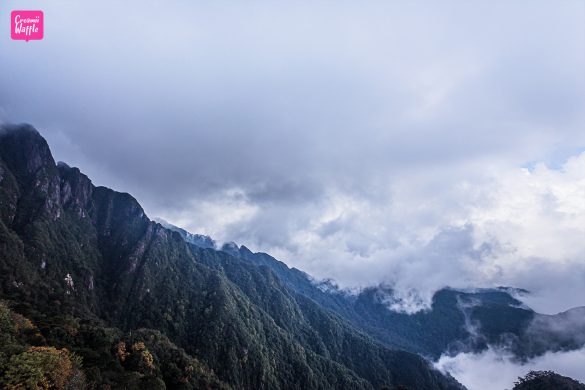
{"points": [[495, 370], [508, 226]]}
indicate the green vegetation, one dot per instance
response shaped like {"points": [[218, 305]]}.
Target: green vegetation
{"points": [[142, 308], [546, 380], [43, 368], [101, 357], [23, 366]]}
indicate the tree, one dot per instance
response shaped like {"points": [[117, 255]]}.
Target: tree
{"points": [[43, 368], [140, 359]]}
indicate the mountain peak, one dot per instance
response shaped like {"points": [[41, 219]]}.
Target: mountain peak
{"points": [[22, 128], [24, 149], [27, 156]]}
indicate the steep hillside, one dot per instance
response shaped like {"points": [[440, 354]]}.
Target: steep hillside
{"points": [[75, 255], [458, 321]]}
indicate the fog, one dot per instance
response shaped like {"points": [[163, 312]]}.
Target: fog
{"points": [[494, 370]]}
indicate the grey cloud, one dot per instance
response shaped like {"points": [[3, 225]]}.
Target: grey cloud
{"points": [[565, 330], [354, 141]]}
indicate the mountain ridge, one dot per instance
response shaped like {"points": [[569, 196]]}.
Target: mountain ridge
{"points": [[77, 255], [457, 321]]}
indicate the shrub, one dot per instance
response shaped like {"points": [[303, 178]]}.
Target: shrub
{"points": [[43, 368]]}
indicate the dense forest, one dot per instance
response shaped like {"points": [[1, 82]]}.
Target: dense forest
{"points": [[95, 295], [117, 300]]}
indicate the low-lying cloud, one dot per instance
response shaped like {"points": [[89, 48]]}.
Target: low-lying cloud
{"points": [[496, 370]]}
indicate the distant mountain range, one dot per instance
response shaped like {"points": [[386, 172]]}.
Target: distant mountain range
{"points": [[458, 321], [94, 294]]}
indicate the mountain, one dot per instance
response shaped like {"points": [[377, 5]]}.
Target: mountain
{"points": [[195, 239], [457, 321], [111, 299]]}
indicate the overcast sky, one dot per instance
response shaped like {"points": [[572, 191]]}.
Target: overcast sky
{"points": [[416, 144]]}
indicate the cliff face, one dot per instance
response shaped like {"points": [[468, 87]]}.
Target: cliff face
{"points": [[68, 248], [30, 175]]}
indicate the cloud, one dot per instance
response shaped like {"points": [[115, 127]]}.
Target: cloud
{"points": [[496, 370], [553, 333], [517, 227], [371, 143]]}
